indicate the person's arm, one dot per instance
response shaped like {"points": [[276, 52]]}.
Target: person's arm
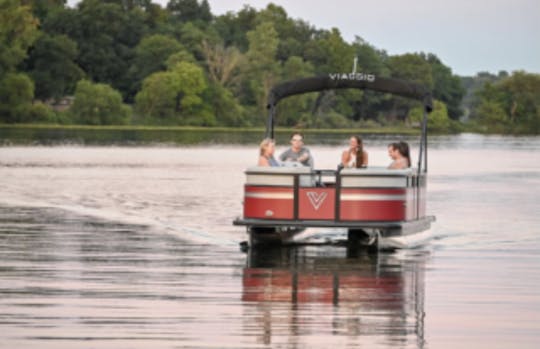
{"points": [[309, 160], [283, 156], [345, 157], [263, 161]]}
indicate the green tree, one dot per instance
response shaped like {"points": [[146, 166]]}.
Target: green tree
{"points": [[225, 108], [151, 55], [372, 61], [51, 65], [223, 69], [413, 68], [329, 53], [18, 30], [173, 96], [98, 104], [261, 70], [16, 94], [493, 117], [192, 38], [157, 98], [510, 105], [190, 10], [233, 27], [446, 87], [106, 34], [41, 8], [523, 101], [129, 5], [437, 120], [292, 34], [296, 110], [192, 84], [222, 63], [178, 57]]}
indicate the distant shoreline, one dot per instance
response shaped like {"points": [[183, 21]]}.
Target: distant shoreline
{"points": [[45, 134]]}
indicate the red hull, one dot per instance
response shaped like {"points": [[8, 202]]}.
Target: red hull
{"points": [[320, 204]]}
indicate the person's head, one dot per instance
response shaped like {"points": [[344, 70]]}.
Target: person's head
{"points": [[297, 140], [398, 150], [355, 142], [267, 147], [403, 148], [392, 150]]}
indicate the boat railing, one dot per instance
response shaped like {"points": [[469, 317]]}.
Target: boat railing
{"points": [[379, 177]]}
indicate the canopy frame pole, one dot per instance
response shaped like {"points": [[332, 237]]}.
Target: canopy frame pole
{"points": [[270, 124]]}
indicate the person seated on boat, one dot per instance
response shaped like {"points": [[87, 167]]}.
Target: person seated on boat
{"points": [[266, 153], [399, 152], [355, 156], [297, 154]]}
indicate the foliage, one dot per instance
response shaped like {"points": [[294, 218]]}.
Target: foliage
{"points": [[222, 62], [18, 30], [261, 68], [41, 113], [98, 104], [106, 34], [493, 117], [52, 66], [190, 10], [510, 104], [227, 110], [181, 65], [172, 96], [16, 94], [437, 120], [150, 56], [410, 67], [446, 87]]}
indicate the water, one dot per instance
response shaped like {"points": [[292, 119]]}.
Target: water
{"points": [[133, 247]]}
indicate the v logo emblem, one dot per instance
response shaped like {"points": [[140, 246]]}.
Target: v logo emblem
{"points": [[316, 199]]}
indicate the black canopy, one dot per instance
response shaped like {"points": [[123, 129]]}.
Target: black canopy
{"points": [[351, 80]]}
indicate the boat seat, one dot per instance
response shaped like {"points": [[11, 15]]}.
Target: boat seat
{"points": [[306, 175]]}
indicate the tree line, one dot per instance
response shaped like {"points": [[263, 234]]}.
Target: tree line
{"points": [[116, 62]]}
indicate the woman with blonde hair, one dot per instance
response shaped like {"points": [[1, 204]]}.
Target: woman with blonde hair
{"points": [[266, 153]]}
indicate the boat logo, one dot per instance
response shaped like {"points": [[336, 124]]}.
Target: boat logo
{"points": [[316, 199], [352, 76]]}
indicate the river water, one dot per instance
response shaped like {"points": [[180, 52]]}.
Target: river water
{"points": [[133, 247]]}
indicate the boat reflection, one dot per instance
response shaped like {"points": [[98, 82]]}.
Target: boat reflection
{"points": [[350, 293]]}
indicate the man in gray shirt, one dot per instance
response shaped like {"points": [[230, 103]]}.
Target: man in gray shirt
{"points": [[297, 153]]}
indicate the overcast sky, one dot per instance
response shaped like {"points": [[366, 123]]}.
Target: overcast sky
{"points": [[467, 35]]}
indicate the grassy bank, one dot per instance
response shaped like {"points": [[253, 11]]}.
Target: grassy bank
{"points": [[140, 135]]}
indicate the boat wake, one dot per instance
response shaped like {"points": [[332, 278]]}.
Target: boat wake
{"points": [[153, 224]]}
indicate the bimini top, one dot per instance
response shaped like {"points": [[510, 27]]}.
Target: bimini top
{"points": [[351, 80]]}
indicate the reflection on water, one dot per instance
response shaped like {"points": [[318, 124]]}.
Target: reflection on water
{"points": [[330, 290], [133, 247], [76, 281], [71, 281]]}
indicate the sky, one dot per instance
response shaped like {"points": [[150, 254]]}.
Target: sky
{"points": [[469, 36]]}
